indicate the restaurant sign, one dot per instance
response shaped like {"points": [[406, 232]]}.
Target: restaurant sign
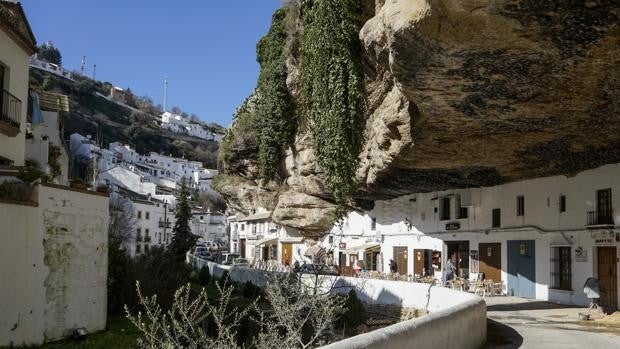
{"points": [[453, 226], [603, 238], [342, 245]]}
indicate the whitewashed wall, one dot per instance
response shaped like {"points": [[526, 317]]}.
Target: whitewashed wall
{"points": [[53, 263]]}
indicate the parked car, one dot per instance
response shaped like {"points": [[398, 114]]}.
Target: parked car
{"points": [[240, 262], [227, 258]]}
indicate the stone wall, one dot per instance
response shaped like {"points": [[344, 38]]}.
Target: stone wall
{"points": [[53, 262]]}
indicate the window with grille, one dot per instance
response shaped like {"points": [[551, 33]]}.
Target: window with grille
{"points": [[561, 270], [520, 205], [373, 224], [496, 215], [562, 203]]}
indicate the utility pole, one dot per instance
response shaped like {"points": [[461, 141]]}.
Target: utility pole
{"points": [[165, 93], [83, 65], [165, 220], [94, 70]]}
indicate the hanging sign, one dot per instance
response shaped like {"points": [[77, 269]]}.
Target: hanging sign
{"points": [[342, 245], [453, 226]]}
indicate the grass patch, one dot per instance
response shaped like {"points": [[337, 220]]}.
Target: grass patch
{"points": [[120, 334]]}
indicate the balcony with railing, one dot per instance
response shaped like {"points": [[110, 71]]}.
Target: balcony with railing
{"points": [[600, 218], [10, 112], [147, 239], [139, 238], [166, 224]]}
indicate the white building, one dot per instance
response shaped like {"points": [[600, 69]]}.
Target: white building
{"points": [[57, 70], [211, 226], [53, 257], [257, 238], [542, 238], [181, 124]]}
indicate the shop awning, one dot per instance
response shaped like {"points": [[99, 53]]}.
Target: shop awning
{"points": [[313, 251], [266, 241], [292, 240], [363, 247]]}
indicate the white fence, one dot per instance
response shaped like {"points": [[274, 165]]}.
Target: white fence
{"points": [[456, 318]]}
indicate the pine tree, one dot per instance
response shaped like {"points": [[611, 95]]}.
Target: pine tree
{"points": [[183, 238]]}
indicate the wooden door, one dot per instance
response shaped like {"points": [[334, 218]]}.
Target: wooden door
{"points": [[418, 262], [490, 256], [287, 253], [400, 257], [342, 262], [607, 275], [242, 248]]}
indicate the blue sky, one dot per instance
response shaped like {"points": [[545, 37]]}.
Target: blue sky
{"points": [[205, 47]]}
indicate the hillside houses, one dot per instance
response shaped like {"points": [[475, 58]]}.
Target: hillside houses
{"points": [[184, 125]]}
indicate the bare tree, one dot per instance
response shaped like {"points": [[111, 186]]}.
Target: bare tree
{"points": [[122, 221], [292, 315]]}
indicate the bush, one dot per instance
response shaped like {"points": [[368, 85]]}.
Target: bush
{"points": [[204, 276], [15, 191], [250, 291], [354, 314]]}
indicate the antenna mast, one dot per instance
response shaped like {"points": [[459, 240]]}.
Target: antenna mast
{"points": [[165, 93], [83, 65]]}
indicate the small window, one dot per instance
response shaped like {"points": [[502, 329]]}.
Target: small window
{"points": [[520, 205], [147, 248], [497, 218], [146, 232], [138, 249], [331, 239], [561, 268], [138, 231], [373, 224], [147, 215], [139, 214], [562, 203], [445, 209]]}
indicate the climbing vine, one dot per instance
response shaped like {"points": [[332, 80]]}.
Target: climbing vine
{"points": [[274, 112], [333, 89]]}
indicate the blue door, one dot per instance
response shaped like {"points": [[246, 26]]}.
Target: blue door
{"points": [[521, 268]]}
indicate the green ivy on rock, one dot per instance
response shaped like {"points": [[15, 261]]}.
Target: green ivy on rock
{"points": [[274, 111], [333, 89]]}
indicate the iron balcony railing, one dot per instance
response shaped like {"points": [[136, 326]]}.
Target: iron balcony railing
{"points": [[162, 223], [600, 218], [11, 109], [147, 239]]}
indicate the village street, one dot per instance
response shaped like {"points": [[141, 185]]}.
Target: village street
{"points": [[519, 323]]}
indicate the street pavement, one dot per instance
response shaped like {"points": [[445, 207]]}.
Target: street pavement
{"points": [[520, 323]]}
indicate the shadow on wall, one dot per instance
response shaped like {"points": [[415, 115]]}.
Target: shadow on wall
{"points": [[367, 294], [529, 306], [502, 336]]}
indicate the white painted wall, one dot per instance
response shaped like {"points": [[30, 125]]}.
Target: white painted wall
{"points": [[53, 264]]}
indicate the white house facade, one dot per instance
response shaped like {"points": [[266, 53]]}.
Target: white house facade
{"points": [[542, 238]]}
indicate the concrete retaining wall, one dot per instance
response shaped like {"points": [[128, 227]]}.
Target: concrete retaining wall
{"points": [[456, 318]]}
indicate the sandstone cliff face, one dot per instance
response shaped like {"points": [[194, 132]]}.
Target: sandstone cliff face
{"points": [[462, 94]]}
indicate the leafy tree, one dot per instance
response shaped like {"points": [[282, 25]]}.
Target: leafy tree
{"points": [[183, 238], [50, 53]]}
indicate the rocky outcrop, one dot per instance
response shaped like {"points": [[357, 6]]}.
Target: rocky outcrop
{"points": [[470, 93]]}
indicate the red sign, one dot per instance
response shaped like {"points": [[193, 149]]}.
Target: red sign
{"points": [[342, 245]]}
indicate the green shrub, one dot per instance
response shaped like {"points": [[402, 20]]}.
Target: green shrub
{"points": [[354, 315], [204, 276], [250, 291], [15, 191]]}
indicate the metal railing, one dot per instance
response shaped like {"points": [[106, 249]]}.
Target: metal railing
{"points": [[11, 109], [147, 239], [600, 218], [167, 224]]}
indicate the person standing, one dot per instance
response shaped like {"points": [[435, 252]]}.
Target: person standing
{"points": [[450, 268], [393, 267]]}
